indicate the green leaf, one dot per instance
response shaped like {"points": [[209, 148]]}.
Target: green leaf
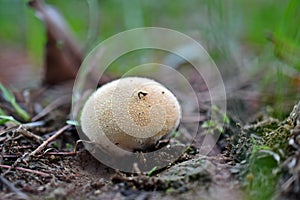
{"points": [[273, 154], [4, 119], [209, 124], [151, 171], [69, 146], [55, 144], [220, 129], [8, 96], [73, 122], [20, 111], [226, 119], [175, 134]]}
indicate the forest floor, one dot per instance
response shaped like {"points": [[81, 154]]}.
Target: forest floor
{"points": [[69, 175], [40, 158]]}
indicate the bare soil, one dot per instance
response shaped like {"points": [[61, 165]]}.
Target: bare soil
{"points": [[57, 172]]}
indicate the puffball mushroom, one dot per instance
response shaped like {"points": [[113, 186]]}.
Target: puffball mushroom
{"points": [[133, 113]]}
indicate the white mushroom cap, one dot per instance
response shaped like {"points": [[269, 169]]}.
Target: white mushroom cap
{"points": [[133, 113]]}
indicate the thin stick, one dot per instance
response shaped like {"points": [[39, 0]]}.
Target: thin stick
{"points": [[28, 134], [13, 189], [8, 129], [50, 139], [26, 125], [61, 153], [19, 147], [9, 156], [26, 170], [67, 153]]}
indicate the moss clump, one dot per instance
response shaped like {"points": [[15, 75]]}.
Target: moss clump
{"points": [[267, 154], [290, 181]]}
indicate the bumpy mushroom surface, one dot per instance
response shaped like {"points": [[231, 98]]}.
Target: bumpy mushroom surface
{"points": [[132, 113]]}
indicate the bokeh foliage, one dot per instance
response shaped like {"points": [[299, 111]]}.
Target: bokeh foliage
{"points": [[242, 36]]}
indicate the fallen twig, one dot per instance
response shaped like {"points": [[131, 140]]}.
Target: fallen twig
{"points": [[13, 189], [28, 134], [69, 153], [19, 147], [9, 156], [50, 139], [2, 139], [26, 125], [8, 129], [26, 170]]}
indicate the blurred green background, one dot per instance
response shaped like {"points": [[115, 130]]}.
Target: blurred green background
{"points": [[257, 39], [222, 23]]}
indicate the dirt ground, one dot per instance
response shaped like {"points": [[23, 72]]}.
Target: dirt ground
{"points": [[80, 176], [56, 171]]}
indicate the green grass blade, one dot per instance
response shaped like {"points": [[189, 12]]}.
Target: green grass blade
{"points": [[5, 118], [73, 122], [8, 96], [20, 111]]}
